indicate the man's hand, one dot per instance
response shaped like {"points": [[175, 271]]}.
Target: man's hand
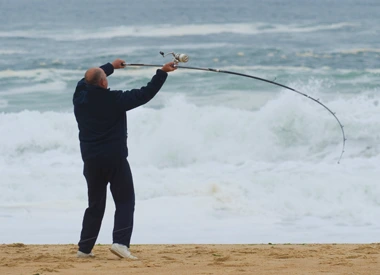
{"points": [[118, 64], [169, 67]]}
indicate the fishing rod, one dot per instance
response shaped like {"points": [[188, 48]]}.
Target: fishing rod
{"points": [[183, 58]]}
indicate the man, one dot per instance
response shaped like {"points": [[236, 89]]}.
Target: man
{"points": [[101, 116]]}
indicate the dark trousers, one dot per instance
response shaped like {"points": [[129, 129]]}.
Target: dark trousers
{"points": [[98, 173]]}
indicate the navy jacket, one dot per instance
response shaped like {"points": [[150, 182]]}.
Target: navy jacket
{"points": [[101, 114]]}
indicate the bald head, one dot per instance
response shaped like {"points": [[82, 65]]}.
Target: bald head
{"points": [[95, 76]]}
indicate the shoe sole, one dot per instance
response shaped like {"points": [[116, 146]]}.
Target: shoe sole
{"points": [[117, 254], [122, 257], [85, 256]]}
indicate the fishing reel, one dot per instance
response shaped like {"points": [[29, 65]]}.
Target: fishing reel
{"points": [[178, 57]]}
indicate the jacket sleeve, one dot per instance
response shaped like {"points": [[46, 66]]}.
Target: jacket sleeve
{"points": [[137, 97], [107, 68]]}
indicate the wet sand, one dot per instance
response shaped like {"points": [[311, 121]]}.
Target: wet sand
{"points": [[348, 259]]}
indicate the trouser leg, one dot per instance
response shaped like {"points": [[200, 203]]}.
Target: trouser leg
{"points": [[93, 216], [124, 196]]}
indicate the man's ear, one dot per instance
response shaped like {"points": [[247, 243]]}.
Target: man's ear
{"points": [[103, 83]]}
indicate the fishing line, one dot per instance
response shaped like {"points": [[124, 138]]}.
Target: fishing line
{"points": [[183, 58]]}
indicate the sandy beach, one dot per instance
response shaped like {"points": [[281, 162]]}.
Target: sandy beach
{"points": [[195, 259]]}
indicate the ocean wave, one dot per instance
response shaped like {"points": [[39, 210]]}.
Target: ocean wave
{"points": [[51, 86], [283, 127], [359, 51], [225, 153], [38, 74], [51, 73], [196, 131], [137, 71], [59, 80], [11, 52], [173, 30]]}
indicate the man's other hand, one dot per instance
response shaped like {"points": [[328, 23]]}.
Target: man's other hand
{"points": [[118, 64]]}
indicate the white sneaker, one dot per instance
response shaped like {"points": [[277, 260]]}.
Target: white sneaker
{"points": [[81, 254], [122, 251]]}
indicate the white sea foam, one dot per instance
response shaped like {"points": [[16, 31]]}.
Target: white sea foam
{"points": [[286, 129]]}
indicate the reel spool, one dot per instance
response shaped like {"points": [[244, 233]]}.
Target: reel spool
{"points": [[178, 57]]}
